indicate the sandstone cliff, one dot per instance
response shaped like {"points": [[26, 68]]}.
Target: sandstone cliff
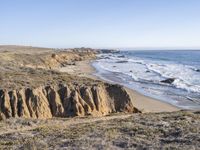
{"points": [[19, 57], [32, 87], [64, 101]]}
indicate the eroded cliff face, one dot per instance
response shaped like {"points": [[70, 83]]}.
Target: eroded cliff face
{"points": [[65, 101], [31, 85]]}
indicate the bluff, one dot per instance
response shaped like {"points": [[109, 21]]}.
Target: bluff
{"points": [[65, 101], [32, 87]]}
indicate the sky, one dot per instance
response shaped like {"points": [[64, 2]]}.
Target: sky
{"points": [[101, 23]]}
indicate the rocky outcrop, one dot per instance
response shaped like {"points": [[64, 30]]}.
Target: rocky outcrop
{"points": [[65, 101], [61, 59], [168, 81]]}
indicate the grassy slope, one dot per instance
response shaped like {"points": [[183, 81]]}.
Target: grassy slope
{"points": [[180, 130]]}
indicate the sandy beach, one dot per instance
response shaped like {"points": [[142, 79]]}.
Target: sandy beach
{"points": [[54, 100], [100, 75], [144, 103]]}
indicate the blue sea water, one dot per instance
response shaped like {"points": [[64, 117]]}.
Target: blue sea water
{"points": [[146, 71]]}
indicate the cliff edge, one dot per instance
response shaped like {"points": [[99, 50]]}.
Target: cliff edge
{"points": [[31, 87], [65, 101]]}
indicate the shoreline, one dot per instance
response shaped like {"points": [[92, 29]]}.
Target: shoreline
{"points": [[144, 103]]}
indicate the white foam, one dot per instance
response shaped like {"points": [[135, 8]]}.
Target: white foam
{"points": [[153, 71]]}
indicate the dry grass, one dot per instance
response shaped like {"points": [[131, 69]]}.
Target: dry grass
{"points": [[22, 66], [179, 130]]}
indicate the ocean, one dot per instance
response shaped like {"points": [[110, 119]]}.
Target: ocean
{"points": [[169, 76]]}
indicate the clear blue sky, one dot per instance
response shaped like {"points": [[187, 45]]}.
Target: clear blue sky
{"points": [[100, 23]]}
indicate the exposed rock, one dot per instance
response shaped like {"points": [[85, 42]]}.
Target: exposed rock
{"points": [[65, 101], [169, 80], [122, 61], [121, 56], [108, 51], [106, 58], [32, 87], [138, 62]]}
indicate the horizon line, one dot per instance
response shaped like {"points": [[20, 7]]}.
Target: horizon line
{"points": [[116, 48]]}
